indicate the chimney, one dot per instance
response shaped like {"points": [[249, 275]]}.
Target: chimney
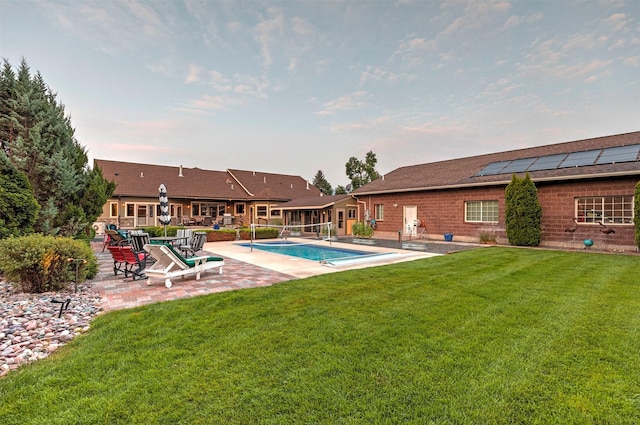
{"points": [[265, 179], [141, 174], [180, 173], [307, 185]]}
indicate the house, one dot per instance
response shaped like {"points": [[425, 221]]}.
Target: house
{"points": [[340, 210], [592, 180], [197, 196]]}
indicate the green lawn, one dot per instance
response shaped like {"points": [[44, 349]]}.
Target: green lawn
{"points": [[495, 335]]}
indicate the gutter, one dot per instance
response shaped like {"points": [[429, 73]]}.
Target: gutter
{"points": [[500, 183]]}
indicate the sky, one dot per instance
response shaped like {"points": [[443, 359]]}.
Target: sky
{"points": [[293, 87]]}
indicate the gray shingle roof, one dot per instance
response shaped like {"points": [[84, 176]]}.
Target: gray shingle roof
{"points": [[463, 172]]}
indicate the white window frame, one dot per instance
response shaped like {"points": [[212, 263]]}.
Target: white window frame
{"points": [[607, 209], [488, 210], [244, 208]]}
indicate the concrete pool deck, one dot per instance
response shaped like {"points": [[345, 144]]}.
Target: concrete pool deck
{"points": [[300, 267]]}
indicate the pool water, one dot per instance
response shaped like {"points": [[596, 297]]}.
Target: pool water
{"points": [[309, 252]]}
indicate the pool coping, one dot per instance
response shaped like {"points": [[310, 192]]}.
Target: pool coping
{"points": [[300, 267]]}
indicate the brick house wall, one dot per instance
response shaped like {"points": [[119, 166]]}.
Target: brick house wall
{"points": [[442, 211]]}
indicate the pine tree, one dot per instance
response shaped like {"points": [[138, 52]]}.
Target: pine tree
{"points": [[18, 207], [523, 212], [636, 213], [322, 184], [41, 143]]}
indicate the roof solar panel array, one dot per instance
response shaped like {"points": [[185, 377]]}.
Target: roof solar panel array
{"points": [[613, 155], [620, 154]]}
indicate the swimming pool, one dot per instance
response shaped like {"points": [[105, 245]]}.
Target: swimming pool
{"points": [[309, 252]]}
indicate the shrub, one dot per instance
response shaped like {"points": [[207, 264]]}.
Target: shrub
{"points": [[221, 235], [487, 238], [361, 230], [636, 217], [523, 212], [261, 233], [38, 263]]}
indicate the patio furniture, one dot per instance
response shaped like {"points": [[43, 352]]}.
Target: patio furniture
{"points": [[138, 241], [127, 261], [195, 244], [188, 221], [170, 264], [114, 237], [184, 236]]}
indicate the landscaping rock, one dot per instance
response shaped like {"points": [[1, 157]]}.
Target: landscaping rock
{"points": [[30, 328]]}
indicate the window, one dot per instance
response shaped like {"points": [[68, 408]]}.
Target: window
{"points": [[240, 209], [276, 213], [130, 211], [378, 212], [195, 209], [481, 211], [261, 210], [605, 209], [352, 213], [113, 209]]}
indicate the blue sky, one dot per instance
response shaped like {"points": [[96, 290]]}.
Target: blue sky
{"points": [[294, 87]]}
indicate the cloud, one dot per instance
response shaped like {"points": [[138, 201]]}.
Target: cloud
{"points": [[347, 102], [514, 20], [617, 21], [208, 104], [267, 32], [381, 74], [194, 74], [302, 26], [475, 15]]}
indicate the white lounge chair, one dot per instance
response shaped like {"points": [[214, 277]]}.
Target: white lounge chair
{"points": [[169, 264]]}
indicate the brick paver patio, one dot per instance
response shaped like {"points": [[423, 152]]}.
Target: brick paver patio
{"points": [[119, 292]]}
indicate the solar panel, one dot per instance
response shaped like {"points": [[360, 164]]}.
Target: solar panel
{"points": [[549, 162], [493, 168], [577, 159], [518, 165], [619, 154]]}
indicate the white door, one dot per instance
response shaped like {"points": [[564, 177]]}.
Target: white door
{"points": [[411, 220]]}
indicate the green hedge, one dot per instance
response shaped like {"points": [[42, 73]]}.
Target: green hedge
{"points": [[261, 233], [38, 263]]}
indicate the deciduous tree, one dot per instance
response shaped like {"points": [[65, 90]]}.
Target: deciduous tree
{"points": [[362, 172]]}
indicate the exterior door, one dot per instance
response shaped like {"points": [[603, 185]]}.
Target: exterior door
{"points": [[352, 218], [411, 220]]}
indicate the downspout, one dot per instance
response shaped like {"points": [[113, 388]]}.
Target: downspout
{"points": [[364, 206]]}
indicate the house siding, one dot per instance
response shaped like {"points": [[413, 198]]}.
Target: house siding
{"points": [[443, 211]]}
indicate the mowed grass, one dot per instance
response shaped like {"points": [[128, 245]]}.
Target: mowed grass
{"points": [[489, 336]]}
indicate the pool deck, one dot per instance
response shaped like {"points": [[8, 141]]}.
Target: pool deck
{"points": [[300, 267], [243, 269]]}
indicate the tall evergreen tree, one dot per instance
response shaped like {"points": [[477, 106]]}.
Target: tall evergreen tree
{"points": [[41, 143], [322, 184], [18, 207], [636, 213], [523, 212], [362, 172]]}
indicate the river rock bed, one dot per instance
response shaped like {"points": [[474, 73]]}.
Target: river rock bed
{"points": [[30, 328]]}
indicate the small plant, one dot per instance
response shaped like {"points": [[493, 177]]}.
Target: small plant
{"points": [[38, 263], [361, 230], [488, 238]]}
